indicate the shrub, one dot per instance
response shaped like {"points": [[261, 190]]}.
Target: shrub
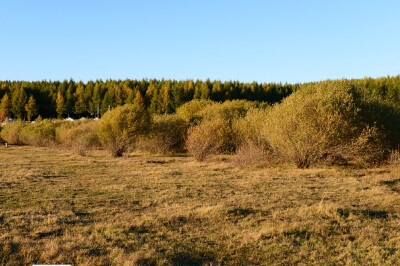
{"points": [[190, 111], [80, 137], [11, 132], [41, 133], [206, 138], [321, 121], [168, 134], [247, 129], [249, 153], [228, 110], [119, 128], [252, 147]]}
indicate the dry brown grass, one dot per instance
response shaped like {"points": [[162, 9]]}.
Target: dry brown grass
{"points": [[59, 207]]}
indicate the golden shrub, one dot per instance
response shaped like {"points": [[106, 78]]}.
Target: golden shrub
{"points": [[168, 134], [120, 127], [320, 121]]}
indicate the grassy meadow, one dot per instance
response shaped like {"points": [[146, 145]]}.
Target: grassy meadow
{"points": [[60, 207]]}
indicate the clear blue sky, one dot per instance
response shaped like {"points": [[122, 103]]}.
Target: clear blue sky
{"points": [[247, 40]]}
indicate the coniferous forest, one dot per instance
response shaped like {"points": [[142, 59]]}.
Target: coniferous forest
{"points": [[27, 100]]}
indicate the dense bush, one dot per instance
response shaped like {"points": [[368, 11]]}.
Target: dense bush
{"points": [[252, 147], [326, 121], [228, 110], [190, 112], [168, 134], [11, 132], [219, 128], [119, 128], [247, 129], [79, 136], [206, 138], [41, 133]]}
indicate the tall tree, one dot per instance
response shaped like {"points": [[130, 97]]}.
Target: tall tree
{"points": [[205, 91], [61, 108], [70, 99], [31, 108], [139, 100], [18, 103], [5, 106], [96, 99], [131, 97]]}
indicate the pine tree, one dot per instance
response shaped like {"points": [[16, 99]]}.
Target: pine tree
{"points": [[61, 108], [130, 98], [205, 91], [166, 102], [96, 99], [139, 100], [5, 106], [80, 103], [31, 108], [18, 103], [70, 99]]}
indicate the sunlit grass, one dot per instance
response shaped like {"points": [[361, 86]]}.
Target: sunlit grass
{"points": [[60, 207]]}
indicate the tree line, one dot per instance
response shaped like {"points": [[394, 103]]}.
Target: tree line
{"points": [[27, 100]]}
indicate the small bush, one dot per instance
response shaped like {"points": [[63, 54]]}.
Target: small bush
{"points": [[252, 147], [206, 138], [168, 134], [250, 153], [41, 133], [119, 128], [80, 137], [190, 111], [228, 110], [247, 129], [11, 132]]}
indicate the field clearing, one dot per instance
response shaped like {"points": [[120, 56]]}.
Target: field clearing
{"points": [[60, 207]]}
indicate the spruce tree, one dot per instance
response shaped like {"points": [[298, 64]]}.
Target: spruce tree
{"points": [[18, 103], [139, 100], [31, 108], [5, 106], [61, 108]]}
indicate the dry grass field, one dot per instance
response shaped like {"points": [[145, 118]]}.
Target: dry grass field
{"points": [[60, 207]]}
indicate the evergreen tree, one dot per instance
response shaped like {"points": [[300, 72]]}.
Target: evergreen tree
{"points": [[96, 99], [130, 98], [18, 102], [80, 103], [107, 102], [166, 102], [61, 108], [155, 102], [31, 108], [70, 99], [204, 91], [139, 100], [5, 106]]}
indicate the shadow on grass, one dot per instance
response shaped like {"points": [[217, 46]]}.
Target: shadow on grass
{"points": [[371, 214], [393, 184]]}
